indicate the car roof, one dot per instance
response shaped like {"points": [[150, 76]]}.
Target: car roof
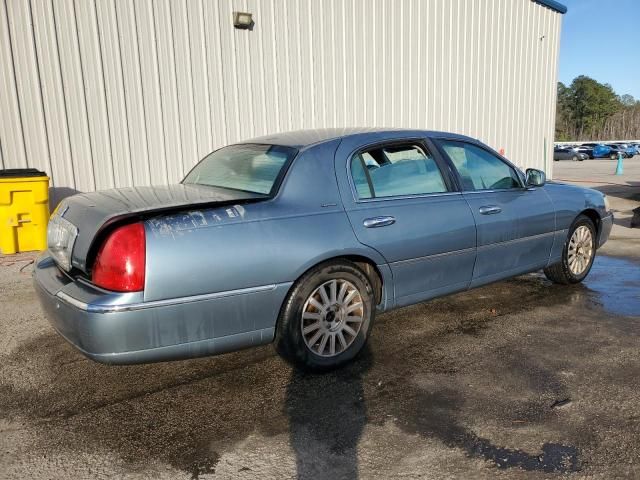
{"points": [[301, 139]]}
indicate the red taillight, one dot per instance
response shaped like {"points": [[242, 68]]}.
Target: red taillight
{"points": [[120, 262]]}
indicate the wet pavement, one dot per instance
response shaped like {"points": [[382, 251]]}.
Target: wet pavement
{"points": [[520, 379], [617, 284]]}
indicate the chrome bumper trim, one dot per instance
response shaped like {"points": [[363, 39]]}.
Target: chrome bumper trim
{"points": [[98, 308]]}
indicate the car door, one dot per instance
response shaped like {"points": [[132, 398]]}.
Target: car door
{"points": [[402, 203], [515, 224]]}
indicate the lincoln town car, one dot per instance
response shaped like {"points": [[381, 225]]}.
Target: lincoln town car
{"points": [[299, 239]]}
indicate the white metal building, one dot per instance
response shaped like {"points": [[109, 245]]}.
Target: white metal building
{"points": [[104, 93]]}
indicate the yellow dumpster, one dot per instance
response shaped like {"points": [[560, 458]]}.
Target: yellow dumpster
{"points": [[24, 210]]}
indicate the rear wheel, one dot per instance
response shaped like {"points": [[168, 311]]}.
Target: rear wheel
{"points": [[578, 253], [327, 316]]}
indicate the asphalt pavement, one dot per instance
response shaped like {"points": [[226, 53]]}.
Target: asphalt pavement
{"points": [[519, 379]]}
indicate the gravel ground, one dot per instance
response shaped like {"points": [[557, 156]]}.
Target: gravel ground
{"points": [[520, 379]]}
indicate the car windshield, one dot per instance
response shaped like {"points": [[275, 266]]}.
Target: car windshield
{"points": [[249, 168]]}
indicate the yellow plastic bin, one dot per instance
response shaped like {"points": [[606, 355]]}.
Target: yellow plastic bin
{"points": [[24, 210]]}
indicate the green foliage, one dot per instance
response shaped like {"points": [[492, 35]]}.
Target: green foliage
{"points": [[584, 108]]}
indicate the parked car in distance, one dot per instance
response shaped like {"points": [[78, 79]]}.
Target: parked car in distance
{"points": [[598, 150], [623, 149], [568, 154], [588, 151], [629, 149], [299, 239]]}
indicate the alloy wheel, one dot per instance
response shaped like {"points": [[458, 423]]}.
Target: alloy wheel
{"points": [[332, 317], [580, 250]]}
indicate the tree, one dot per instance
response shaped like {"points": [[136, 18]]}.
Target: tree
{"points": [[584, 107], [592, 103], [627, 100], [623, 125], [564, 114]]}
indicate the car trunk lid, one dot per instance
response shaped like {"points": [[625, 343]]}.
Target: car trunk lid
{"points": [[92, 213]]}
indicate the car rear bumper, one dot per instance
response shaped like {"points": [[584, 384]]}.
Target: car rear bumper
{"points": [[123, 329], [606, 224]]}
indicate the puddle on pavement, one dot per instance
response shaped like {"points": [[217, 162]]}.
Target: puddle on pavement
{"points": [[617, 283]]}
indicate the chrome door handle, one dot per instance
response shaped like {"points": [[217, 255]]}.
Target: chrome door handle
{"points": [[379, 221], [489, 210]]}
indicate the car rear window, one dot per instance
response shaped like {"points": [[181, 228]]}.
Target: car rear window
{"points": [[248, 167]]}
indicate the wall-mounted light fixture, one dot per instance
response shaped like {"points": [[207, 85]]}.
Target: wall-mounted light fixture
{"points": [[243, 20]]}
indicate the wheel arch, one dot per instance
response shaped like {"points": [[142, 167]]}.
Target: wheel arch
{"points": [[381, 281], [594, 216]]}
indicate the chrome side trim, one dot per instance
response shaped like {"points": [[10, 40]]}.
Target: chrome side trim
{"points": [[504, 190], [100, 308], [407, 197], [435, 255], [517, 240], [481, 247]]}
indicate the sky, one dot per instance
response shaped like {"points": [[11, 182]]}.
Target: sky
{"points": [[601, 39]]}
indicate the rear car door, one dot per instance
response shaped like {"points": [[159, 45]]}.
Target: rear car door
{"points": [[515, 224], [401, 202]]}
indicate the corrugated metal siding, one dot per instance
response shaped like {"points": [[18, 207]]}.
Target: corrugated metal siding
{"points": [[119, 93]]}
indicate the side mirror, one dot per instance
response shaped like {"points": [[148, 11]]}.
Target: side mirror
{"points": [[535, 177]]}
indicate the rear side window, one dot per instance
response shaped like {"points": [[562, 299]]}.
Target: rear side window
{"points": [[246, 167], [480, 169], [395, 170]]}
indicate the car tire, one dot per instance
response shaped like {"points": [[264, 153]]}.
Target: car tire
{"points": [[613, 156], [574, 158], [320, 333], [578, 253]]}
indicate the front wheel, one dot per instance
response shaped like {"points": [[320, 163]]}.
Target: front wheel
{"points": [[578, 253], [575, 158], [326, 319], [613, 156]]}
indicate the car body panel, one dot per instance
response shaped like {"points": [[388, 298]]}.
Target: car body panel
{"points": [[517, 235], [569, 201], [429, 253], [518, 238], [219, 265], [156, 332], [91, 212], [437, 252]]}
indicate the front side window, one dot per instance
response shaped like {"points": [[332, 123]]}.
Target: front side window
{"points": [[248, 167], [395, 170], [478, 168]]}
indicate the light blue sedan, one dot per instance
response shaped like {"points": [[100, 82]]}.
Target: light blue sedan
{"points": [[299, 239]]}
